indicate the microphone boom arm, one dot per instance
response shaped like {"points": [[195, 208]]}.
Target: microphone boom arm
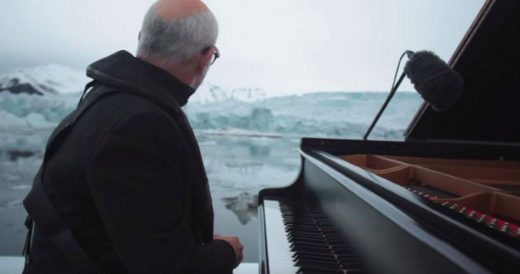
{"points": [[392, 92]]}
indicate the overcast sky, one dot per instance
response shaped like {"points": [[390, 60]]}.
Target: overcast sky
{"points": [[278, 46]]}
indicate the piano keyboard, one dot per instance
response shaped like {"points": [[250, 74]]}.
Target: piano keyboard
{"points": [[309, 245]]}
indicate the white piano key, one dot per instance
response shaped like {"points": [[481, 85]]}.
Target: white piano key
{"points": [[279, 254]]}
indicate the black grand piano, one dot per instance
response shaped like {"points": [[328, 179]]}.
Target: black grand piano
{"points": [[446, 200]]}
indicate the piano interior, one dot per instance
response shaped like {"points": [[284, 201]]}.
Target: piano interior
{"points": [[444, 200], [487, 192]]}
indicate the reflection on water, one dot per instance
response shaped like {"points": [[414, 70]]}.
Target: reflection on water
{"points": [[244, 206], [16, 174], [237, 168], [13, 155], [259, 150]]}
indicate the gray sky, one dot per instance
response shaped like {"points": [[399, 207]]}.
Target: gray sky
{"points": [[279, 46]]}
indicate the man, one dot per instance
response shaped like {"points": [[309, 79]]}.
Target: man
{"points": [[122, 188]]}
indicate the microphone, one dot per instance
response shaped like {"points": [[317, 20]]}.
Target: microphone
{"points": [[436, 82]]}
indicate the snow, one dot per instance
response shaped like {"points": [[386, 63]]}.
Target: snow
{"points": [[50, 79]]}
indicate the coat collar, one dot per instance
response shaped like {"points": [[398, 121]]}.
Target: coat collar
{"points": [[122, 70]]}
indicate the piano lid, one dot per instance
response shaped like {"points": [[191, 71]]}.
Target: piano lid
{"points": [[488, 58]]}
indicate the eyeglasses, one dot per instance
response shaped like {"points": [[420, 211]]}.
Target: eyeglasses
{"points": [[216, 55]]}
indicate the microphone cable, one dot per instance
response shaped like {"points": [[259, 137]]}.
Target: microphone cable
{"points": [[409, 54], [393, 89]]}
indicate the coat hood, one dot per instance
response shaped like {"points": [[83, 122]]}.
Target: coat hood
{"points": [[122, 70]]}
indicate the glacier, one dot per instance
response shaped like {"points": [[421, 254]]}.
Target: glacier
{"points": [[212, 110], [26, 120]]}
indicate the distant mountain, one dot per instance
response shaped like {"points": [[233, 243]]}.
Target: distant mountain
{"points": [[59, 79], [49, 79]]}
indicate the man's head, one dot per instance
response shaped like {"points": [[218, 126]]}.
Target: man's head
{"points": [[179, 36]]}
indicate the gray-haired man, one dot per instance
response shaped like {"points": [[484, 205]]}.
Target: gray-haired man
{"points": [[122, 188]]}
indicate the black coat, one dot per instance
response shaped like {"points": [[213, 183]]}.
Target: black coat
{"points": [[129, 179]]}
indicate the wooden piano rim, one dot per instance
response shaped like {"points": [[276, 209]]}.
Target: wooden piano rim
{"points": [[471, 180]]}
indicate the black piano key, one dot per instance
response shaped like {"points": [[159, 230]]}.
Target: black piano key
{"points": [[322, 268], [321, 272], [304, 259], [313, 255], [299, 238], [317, 247], [311, 244], [329, 261], [318, 256], [321, 263]]}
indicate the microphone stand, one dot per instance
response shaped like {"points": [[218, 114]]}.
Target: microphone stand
{"points": [[392, 92]]}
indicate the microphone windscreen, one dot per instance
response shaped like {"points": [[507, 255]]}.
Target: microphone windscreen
{"points": [[438, 84]]}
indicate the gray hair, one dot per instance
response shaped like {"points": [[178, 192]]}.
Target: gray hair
{"points": [[177, 40]]}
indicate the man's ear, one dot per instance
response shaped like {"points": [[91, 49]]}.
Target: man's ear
{"points": [[139, 36]]}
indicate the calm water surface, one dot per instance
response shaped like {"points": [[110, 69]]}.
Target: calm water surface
{"points": [[237, 168]]}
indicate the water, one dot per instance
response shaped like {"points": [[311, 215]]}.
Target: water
{"points": [[237, 168], [15, 181]]}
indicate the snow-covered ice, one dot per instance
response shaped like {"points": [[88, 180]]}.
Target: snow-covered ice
{"points": [[50, 79]]}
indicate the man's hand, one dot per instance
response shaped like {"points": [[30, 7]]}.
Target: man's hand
{"points": [[235, 243]]}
